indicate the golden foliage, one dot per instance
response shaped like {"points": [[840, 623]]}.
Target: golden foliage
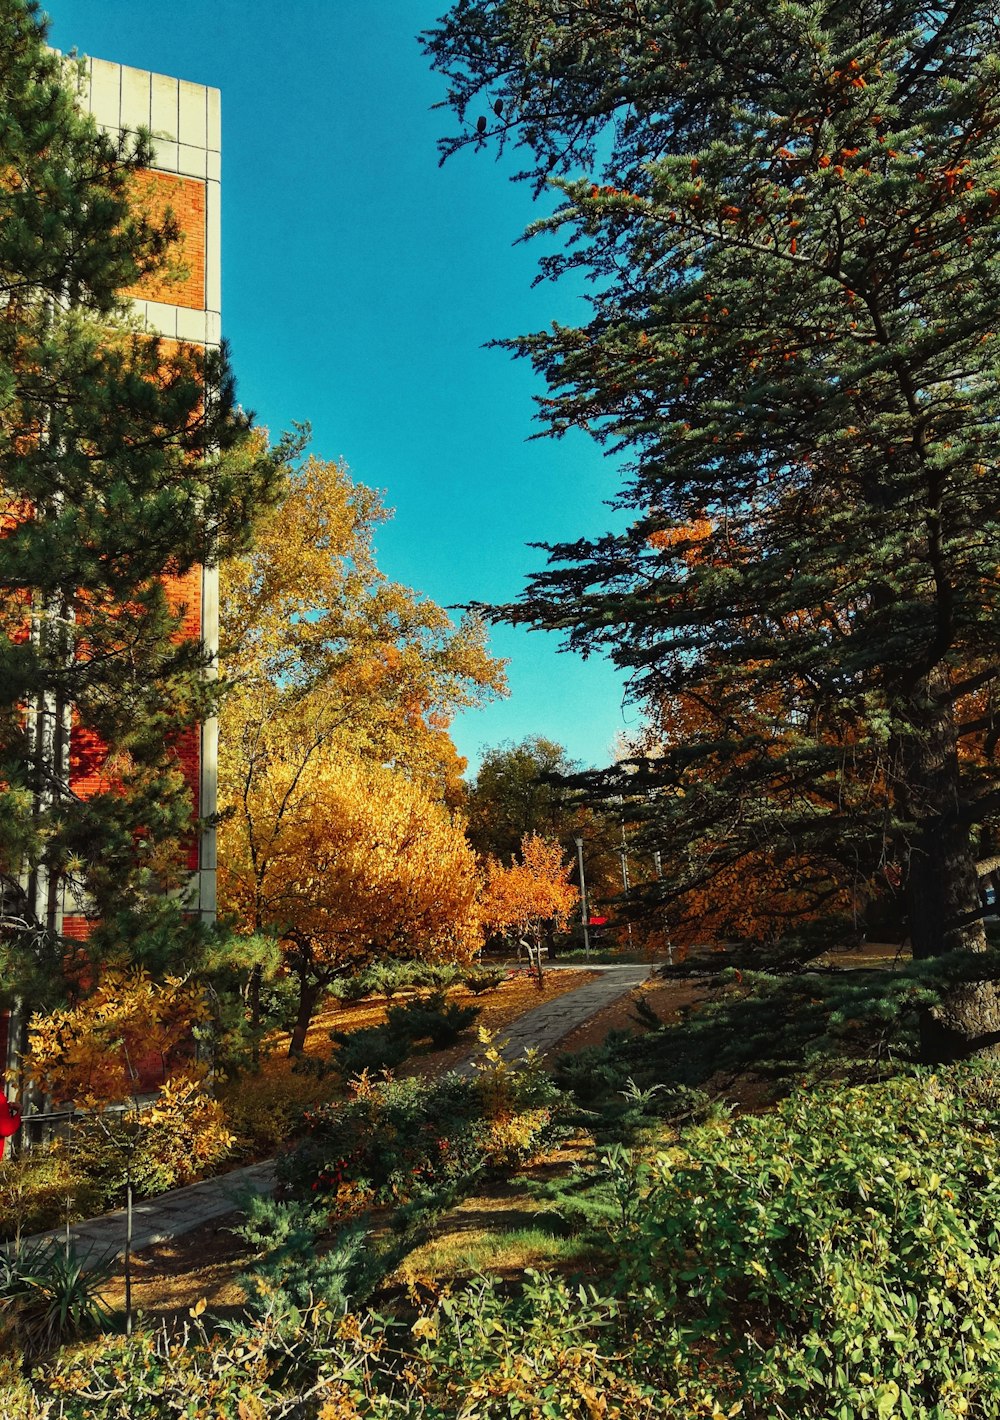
{"points": [[316, 641], [346, 862], [99, 1049], [519, 899]]}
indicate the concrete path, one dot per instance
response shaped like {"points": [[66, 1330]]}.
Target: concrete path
{"points": [[544, 1026], [157, 1220]]}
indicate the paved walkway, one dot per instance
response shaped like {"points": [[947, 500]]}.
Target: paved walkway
{"points": [[157, 1220], [544, 1026]]}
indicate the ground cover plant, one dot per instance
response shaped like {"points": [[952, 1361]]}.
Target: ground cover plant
{"points": [[832, 1259], [392, 1140]]}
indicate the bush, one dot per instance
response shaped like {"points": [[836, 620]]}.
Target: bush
{"points": [[179, 1137], [372, 1048], [386, 978], [394, 1139], [431, 1018], [46, 1297], [486, 978], [263, 1110], [836, 1257], [39, 1189], [296, 1268], [250, 1371]]}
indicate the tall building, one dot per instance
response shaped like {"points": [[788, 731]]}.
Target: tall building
{"points": [[185, 120]]}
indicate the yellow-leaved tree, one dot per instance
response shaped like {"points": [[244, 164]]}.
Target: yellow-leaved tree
{"points": [[519, 900], [351, 862], [327, 661]]}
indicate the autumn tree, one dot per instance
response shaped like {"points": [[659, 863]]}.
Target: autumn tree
{"points": [[520, 898], [123, 462], [321, 651], [535, 788], [316, 641], [348, 862], [790, 217]]}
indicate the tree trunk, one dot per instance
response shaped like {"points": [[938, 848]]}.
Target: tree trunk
{"points": [[942, 881], [254, 994], [308, 995]]}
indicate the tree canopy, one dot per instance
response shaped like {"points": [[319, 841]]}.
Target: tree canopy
{"points": [[337, 771], [789, 214]]}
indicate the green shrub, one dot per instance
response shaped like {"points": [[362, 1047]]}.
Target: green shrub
{"points": [[40, 1189], [263, 1110], [837, 1257], [371, 1048], [297, 1267], [47, 1299], [430, 1018], [394, 1139], [387, 978], [484, 978], [426, 1020], [249, 1371]]}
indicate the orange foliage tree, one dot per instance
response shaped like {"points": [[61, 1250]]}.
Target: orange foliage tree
{"points": [[321, 651], [520, 899]]}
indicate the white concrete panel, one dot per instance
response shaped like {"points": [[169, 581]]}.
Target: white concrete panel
{"points": [[135, 98], [164, 155], [161, 318], [214, 172], [192, 114], [80, 78], [214, 119], [190, 325], [163, 108], [105, 92], [213, 247], [213, 328], [191, 161], [208, 893]]}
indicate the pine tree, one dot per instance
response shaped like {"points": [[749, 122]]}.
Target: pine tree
{"points": [[790, 214], [123, 461]]}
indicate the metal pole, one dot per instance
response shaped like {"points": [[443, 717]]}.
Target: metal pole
{"points": [[626, 884], [584, 914], [658, 861]]}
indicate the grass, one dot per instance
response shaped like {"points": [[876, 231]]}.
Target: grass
{"points": [[504, 1252], [604, 957]]}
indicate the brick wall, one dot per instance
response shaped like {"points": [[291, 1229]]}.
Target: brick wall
{"points": [[183, 284]]}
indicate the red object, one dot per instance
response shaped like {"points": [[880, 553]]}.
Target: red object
{"points": [[596, 921], [10, 1121]]}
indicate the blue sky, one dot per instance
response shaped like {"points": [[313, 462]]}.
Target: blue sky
{"points": [[360, 284]]}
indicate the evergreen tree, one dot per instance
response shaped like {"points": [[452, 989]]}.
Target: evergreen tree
{"points": [[123, 461], [790, 214]]}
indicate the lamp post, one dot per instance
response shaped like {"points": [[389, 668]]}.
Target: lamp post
{"points": [[666, 925], [626, 882], [583, 898]]}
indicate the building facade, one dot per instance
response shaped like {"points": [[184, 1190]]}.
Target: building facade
{"points": [[185, 120]]}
